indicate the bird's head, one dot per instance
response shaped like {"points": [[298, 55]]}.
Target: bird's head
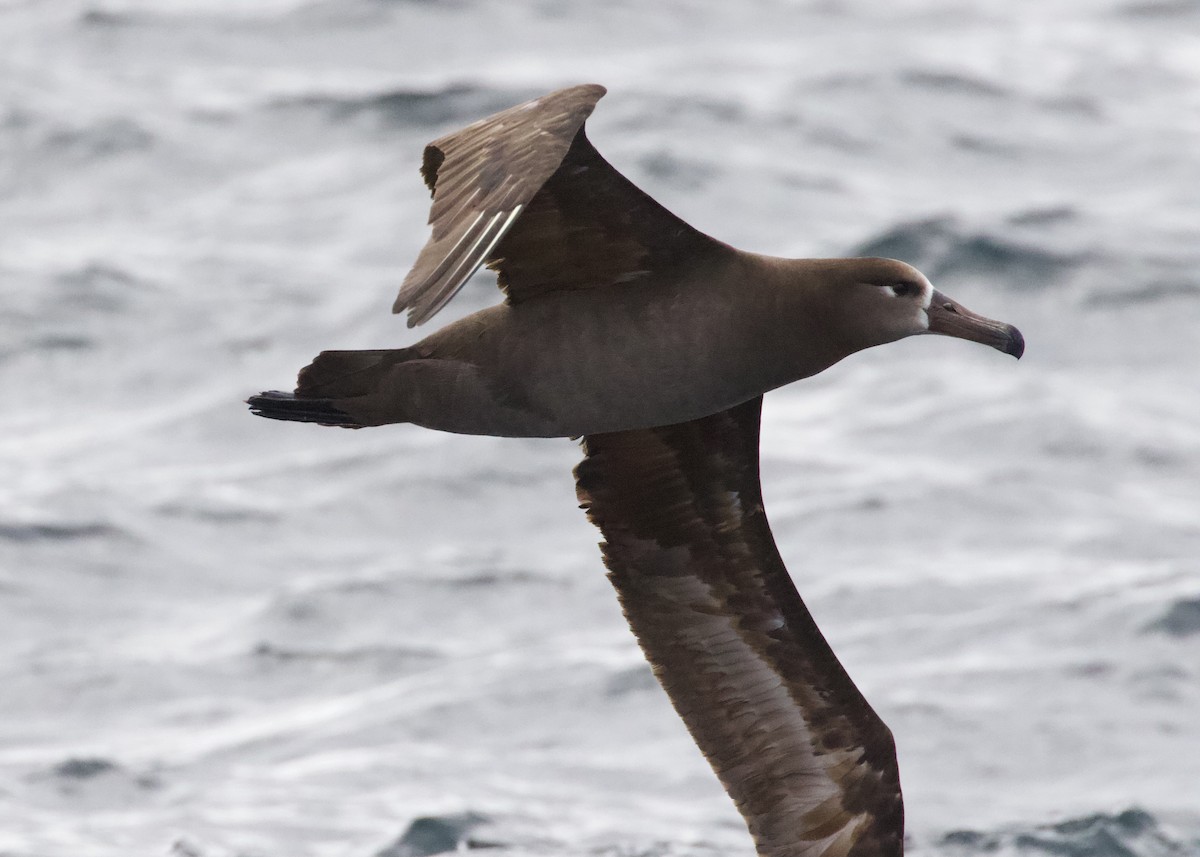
{"points": [[882, 300]]}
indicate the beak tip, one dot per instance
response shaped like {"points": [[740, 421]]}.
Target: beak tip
{"points": [[1016, 343], [949, 318]]}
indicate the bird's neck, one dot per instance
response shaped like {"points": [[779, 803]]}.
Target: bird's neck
{"points": [[795, 320]]}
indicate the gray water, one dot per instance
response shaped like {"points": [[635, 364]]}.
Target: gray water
{"points": [[222, 636]]}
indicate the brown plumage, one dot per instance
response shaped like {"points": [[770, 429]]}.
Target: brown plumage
{"points": [[526, 192], [810, 766], [625, 325]]}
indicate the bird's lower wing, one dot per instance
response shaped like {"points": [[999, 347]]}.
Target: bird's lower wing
{"points": [[809, 764]]}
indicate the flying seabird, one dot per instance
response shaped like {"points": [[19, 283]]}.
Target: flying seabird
{"points": [[655, 343]]}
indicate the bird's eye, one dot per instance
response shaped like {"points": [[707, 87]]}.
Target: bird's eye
{"points": [[903, 290]]}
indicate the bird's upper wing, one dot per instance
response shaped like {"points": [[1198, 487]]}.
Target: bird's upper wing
{"points": [[809, 764], [525, 192]]}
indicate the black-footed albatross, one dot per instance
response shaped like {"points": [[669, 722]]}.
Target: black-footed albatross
{"points": [[655, 343]]}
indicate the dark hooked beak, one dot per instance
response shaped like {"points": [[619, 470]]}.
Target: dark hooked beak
{"points": [[950, 318]]}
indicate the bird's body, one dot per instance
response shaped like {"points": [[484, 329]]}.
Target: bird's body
{"points": [[625, 325], [580, 362]]}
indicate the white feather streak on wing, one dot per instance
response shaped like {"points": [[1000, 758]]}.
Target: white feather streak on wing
{"points": [[453, 270], [444, 286], [450, 255], [413, 288], [470, 259], [473, 259], [487, 251], [777, 742]]}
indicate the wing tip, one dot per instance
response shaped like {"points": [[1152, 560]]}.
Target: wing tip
{"points": [[591, 92], [599, 89]]}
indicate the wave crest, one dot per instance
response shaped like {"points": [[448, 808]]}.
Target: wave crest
{"points": [[1131, 833]]}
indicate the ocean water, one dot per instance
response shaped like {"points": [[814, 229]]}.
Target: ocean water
{"points": [[225, 637]]}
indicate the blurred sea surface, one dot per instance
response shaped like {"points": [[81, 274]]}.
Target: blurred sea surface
{"points": [[221, 636]]}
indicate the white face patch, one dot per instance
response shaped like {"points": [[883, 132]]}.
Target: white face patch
{"points": [[926, 300], [926, 291], [920, 302]]}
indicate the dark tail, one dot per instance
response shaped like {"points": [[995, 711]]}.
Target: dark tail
{"points": [[334, 381], [344, 374], [285, 406]]}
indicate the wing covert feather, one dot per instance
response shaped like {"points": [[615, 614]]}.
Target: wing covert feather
{"points": [[809, 764]]}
